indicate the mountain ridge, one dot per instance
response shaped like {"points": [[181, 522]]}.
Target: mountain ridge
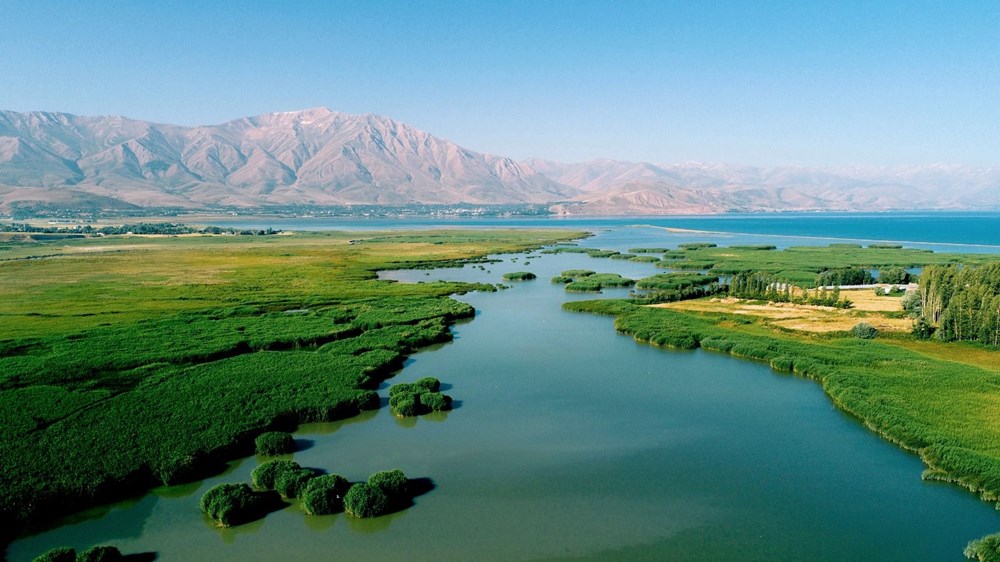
{"points": [[322, 157]]}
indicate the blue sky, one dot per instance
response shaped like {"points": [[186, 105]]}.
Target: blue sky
{"points": [[755, 82]]}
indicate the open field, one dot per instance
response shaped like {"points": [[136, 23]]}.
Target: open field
{"points": [[880, 312], [125, 364]]}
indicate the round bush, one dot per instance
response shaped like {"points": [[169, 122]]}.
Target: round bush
{"points": [[275, 443], [265, 475], [435, 401], [364, 500], [429, 383], [58, 554], [402, 388], [230, 504], [291, 483], [399, 397], [392, 482], [406, 406], [324, 495], [101, 553], [864, 331]]}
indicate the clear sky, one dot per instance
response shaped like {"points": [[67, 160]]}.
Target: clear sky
{"points": [[801, 82]]}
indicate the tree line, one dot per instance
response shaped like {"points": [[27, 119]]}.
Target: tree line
{"points": [[764, 286], [961, 303]]}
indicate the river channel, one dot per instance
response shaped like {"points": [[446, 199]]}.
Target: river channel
{"points": [[570, 441]]}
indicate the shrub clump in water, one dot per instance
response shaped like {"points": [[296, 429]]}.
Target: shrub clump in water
{"points": [[265, 475], [232, 504], [291, 483], [420, 397], [324, 495], [393, 484], [275, 443], [365, 500]]}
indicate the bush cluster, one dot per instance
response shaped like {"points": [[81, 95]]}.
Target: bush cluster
{"points": [[365, 500], [275, 443], [519, 276], [416, 398], [232, 504], [291, 483], [384, 492], [324, 495], [266, 474], [864, 331]]}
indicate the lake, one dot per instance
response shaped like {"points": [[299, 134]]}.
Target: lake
{"points": [[570, 441]]}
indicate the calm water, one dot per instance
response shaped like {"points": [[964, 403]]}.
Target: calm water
{"points": [[572, 442], [941, 229]]}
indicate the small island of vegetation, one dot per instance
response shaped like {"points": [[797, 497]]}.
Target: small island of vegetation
{"points": [[417, 398], [589, 281], [518, 276]]}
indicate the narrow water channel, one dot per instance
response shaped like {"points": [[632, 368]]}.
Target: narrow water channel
{"points": [[570, 441]]}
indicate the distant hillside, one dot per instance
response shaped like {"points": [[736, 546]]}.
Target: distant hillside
{"points": [[316, 157], [613, 187], [321, 157]]}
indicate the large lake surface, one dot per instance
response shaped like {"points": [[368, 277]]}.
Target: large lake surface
{"points": [[570, 441]]}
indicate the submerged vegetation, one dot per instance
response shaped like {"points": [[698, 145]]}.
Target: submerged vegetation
{"points": [[128, 363]]}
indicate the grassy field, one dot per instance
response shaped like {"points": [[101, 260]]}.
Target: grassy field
{"points": [[885, 313], [127, 362]]}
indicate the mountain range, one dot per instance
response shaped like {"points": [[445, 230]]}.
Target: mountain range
{"points": [[324, 158]]}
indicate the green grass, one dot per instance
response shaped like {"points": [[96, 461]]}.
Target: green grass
{"points": [[128, 362]]}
